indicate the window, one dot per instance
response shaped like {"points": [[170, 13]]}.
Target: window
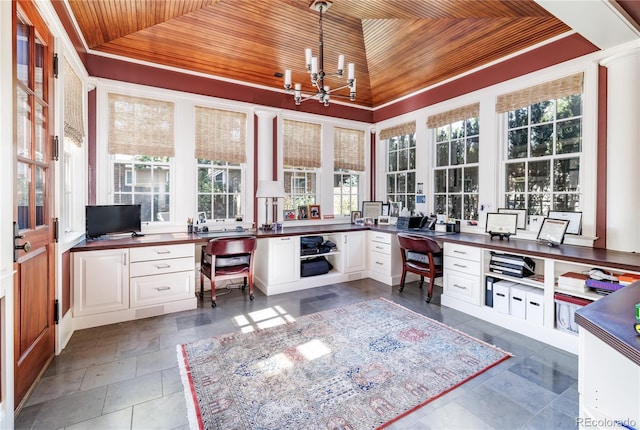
{"points": [[301, 162], [221, 154], [348, 164], [141, 140], [455, 175], [544, 146], [401, 164]]}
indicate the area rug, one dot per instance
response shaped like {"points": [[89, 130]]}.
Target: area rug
{"points": [[361, 366]]}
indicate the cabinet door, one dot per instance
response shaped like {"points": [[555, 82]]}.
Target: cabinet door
{"points": [[354, 255], [100, 281], [284, 260]]}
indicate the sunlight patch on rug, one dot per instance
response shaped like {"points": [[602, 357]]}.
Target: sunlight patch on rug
{"points": [[360, 366]]}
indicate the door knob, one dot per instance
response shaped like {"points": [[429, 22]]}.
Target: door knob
{"points": [[25, 246]]}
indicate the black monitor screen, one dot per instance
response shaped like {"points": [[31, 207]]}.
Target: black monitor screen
{"points": [[109, 219]]}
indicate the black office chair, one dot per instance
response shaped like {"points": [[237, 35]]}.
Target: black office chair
{"points": [[420, 255], [225, 258]]}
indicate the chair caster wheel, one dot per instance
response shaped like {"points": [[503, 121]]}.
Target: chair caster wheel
{"points": [[251, 297], [400, 290], [428, 300], [214, 304], [243, 287]]}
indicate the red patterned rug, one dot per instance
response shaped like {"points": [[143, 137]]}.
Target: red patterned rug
{"points": [[361, 366]]}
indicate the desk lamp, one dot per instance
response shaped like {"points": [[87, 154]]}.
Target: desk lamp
{"points": [[266, 190]]}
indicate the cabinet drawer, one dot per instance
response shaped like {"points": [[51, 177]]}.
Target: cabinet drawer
{"points": [[461, 251], [380, 237], [158, 289], [384, 248], [462, 286], [460, 265], [379, 262], [158, 267], [161, 252]]}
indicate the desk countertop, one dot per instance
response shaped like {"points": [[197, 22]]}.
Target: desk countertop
{"points": [[611, 320]]}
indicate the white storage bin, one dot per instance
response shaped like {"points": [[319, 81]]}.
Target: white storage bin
{"points": [[501, 296], [566, 307], [535, 306], [518, 301]]}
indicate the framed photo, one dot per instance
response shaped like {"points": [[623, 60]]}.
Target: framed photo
{"points": [[303, 212], [386, 207], [371, 209], [355, 215], [552, 231], [369, 220], [384, 220], [394, 209], [574, 218], [498, 223], [202, 217], [289, 214], [522, 216], [314, 212]]}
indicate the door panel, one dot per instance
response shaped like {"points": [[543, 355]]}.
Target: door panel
{"points": [[34, 294]]}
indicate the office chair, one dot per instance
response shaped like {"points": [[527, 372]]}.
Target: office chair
{"points": [[420, 255], [225, 258]]}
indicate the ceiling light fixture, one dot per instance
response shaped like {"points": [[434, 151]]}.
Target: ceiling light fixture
{"points": [[315, 68]]}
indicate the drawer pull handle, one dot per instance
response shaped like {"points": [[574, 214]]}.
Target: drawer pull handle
{"points": [[162, 251], [459, 265], [162, 266], [460, 286], [459, 252], [379, 237], [163, 288], [517, 299], [500, 295], [534, 303], [286, 238], [379, 247], [379, 263]]}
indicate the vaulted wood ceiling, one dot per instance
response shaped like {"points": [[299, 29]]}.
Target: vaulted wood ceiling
{"points": [[398, 46]]}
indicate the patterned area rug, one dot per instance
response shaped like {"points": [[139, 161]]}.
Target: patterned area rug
{"points": [[361, 366]]}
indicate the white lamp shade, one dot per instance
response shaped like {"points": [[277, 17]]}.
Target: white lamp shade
{"points": [[270, 189]]}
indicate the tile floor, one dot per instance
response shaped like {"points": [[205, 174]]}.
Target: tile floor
{"points": [[125, 376]]}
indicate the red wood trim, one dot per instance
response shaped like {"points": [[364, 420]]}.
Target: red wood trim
{"points": [[255, 170], [274, 150], [91, 146], [601, 166], [372, 167]]}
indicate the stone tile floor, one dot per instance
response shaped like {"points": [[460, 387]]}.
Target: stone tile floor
{"points": [[125, 376]]}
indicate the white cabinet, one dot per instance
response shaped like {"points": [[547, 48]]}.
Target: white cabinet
{"points": [[277, 261], [116, 285], [100, 281], [384, 259], [161, 274], [462, 272], [353, 246]]}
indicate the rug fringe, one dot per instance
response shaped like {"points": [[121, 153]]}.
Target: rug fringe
{"points": [[195, 420]]}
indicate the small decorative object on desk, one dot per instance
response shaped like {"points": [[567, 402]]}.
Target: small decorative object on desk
{"points": [[189, 225]]}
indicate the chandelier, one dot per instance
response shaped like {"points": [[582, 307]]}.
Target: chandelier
{"points": [[315, 68]]}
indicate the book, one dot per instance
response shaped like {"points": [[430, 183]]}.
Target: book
{"points": [[573, 279], [603, 285], [628, 278]]}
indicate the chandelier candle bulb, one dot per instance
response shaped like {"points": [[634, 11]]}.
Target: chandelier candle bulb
{"points": [[307, 54], [340, 64], [314, 65], [287, 78], [352, 71]]}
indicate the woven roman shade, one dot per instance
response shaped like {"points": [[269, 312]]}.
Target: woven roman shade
{"points": [[140, 126], [301, 146], [398, 130], [566, 86], [454, 115], [348, 149], [221, 135], [73, 115]]}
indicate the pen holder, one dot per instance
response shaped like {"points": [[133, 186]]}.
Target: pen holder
{"points": [[190, 228]]}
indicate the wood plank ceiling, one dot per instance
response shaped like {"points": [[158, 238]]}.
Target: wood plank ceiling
{"points": [[398, 46]]}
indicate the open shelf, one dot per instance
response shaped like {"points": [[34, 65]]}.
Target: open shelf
{"points": [[583, 293], [533, 281]]}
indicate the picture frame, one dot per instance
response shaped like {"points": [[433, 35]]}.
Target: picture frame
{"points": [[202, 218], [522, 216], [386, 207], [552, 231], [289, 214], [384, 220], [355, 215], [369, 220], [314, 212], [501, 223], [303, 212], [574, 218], [394, 209], [371, 209]]}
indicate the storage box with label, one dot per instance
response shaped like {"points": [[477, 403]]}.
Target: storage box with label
{"points": [[518, 301], [501, 296], [566, 307], [535, 308]]}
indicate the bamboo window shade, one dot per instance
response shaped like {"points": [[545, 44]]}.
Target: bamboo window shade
{"points": [[348, 149], [140, 126], [73, 99], [398, 130], [221, 135], [453, 115], [301, 147], [562, 87]]}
